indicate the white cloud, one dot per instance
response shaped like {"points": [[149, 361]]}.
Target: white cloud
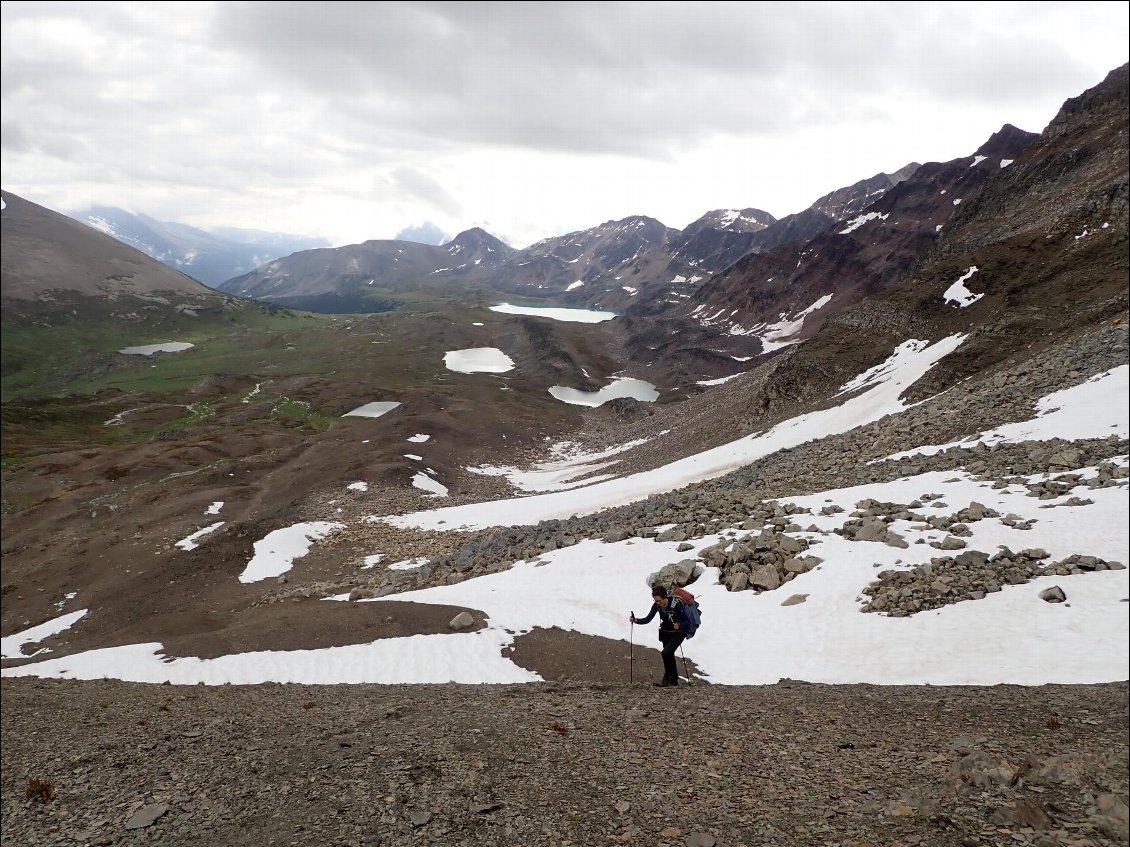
{"points": [[352, 121]]}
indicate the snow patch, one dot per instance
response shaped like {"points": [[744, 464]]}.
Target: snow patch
{"points": [[856, 223], [571, 468], [478, 360], [12, 646], [959, 294], [783, 333], [426, 483], [189, 542], [719, 381], [372, 410], [150, 349], [276, 551], [409, 564]]}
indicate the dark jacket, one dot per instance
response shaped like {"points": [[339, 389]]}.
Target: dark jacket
{"points": [[675, 612]]}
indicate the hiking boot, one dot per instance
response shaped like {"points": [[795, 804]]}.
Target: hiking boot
{"points": [[663, 683]]}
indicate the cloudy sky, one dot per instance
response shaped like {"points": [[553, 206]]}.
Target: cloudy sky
{"points": [[359, 120]]}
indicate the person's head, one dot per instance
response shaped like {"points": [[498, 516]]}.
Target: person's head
{"points": [[659, 595]]}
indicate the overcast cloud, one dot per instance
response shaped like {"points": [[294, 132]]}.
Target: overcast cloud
{"points": [[355, 121]]}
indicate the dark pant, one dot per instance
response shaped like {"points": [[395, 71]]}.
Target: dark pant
{"points": [[671, 642]]}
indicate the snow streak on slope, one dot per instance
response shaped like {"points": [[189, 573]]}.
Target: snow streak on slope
{"points": [[785, 331], [885, 386], [774, 336], [189, 543], [276, 551], [11, 646], [1098, 408], [856, 223], [560, 474]]}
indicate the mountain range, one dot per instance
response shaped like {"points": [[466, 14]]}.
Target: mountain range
{"points": [[615, 265], [210, 256]]}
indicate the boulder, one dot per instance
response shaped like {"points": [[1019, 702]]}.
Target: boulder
{"points": [[948, 543], [872, 529], [1053, 595], [765, 577], [461, 621], [679, 573], [790, 545], [795, 565], [737, 581]]}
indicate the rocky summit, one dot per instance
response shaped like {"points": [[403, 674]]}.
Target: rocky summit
{"points": [[350, 552]]}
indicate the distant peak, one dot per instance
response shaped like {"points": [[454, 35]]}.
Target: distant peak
{"points": [[477, 239], [904, 173], [1008, 142]]}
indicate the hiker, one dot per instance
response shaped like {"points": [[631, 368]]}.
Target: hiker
{"points": [[673, 624]]}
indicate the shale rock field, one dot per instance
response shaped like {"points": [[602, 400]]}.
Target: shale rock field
{"points": [[577, 763]]}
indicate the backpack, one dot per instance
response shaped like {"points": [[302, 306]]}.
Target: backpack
{"points": [[694, 613]]}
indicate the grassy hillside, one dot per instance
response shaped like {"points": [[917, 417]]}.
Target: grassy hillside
{"points": [[51, 357]]}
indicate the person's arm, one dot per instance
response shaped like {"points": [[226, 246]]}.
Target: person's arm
{"points": [[650, 615]]}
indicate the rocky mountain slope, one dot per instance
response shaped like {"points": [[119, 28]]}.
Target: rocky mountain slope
{"points": [[358, 277], [781, 296], [46, 255], [209, 256]]}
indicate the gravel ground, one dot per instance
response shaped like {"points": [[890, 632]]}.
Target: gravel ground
{"points": [[562, 764]]}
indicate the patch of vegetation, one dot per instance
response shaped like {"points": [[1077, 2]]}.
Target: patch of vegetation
{"points": [[197, 414], [12, 461], [56, 351], [39, 790], [298, 413], [51, 423]]}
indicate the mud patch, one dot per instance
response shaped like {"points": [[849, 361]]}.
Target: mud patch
{"points": [[294, 625], [559, 655]]}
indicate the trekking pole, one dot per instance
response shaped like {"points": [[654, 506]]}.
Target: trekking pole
{"points": [[686, 670], [632, 655]]}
